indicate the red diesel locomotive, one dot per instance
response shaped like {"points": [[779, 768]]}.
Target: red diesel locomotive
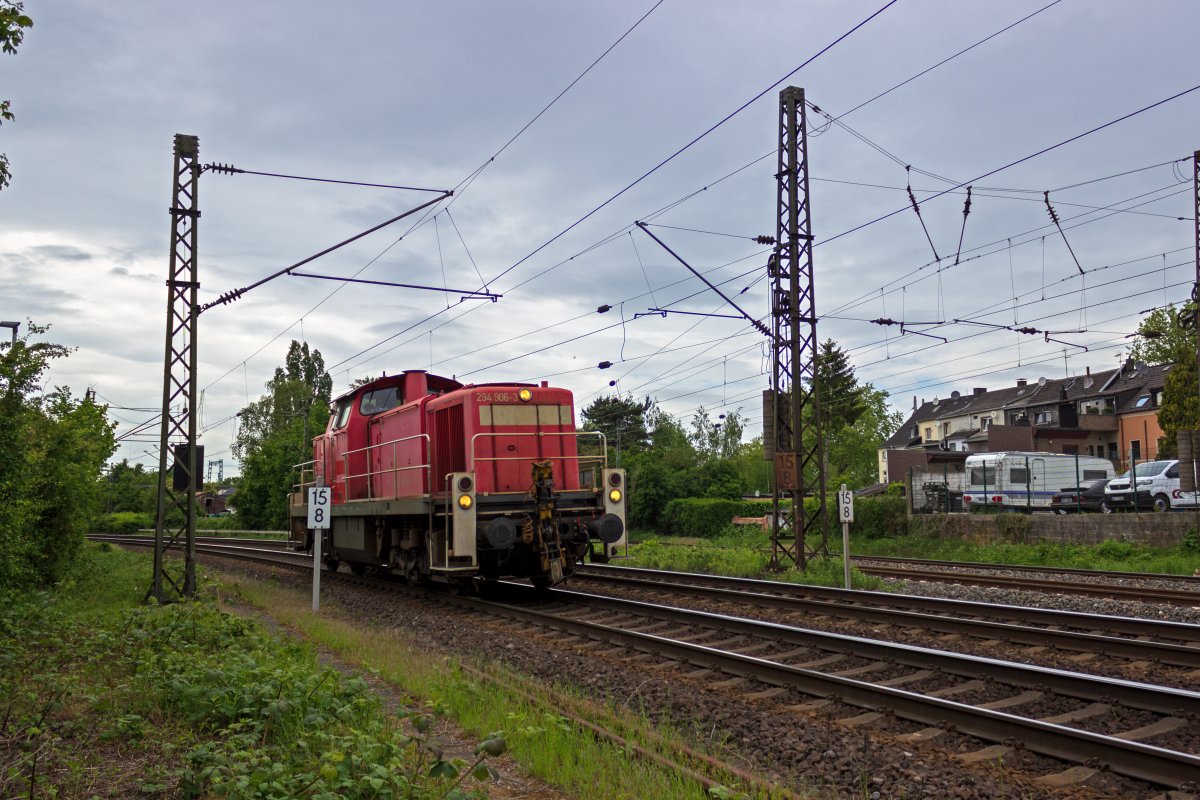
{"points": [[434, 480]]}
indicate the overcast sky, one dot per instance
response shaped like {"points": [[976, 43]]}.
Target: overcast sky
{"points": [[423, 94]]}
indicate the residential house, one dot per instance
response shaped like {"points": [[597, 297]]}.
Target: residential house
{"points": [[1104, 414]]}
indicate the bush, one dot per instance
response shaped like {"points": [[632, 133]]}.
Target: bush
{"points": [[124, 522], [708, 517], [881, 517]]}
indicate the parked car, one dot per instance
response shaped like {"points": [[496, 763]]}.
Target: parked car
{"points": [[1088, 496], [1156, 481]]}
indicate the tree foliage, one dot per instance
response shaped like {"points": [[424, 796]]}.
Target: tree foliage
{"points": [[275, 433], [708, 458], [622, 420], [129, 487], [1162, 337], [13, 23], [52, 450]]}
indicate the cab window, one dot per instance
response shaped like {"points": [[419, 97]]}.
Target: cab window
{"points": [[341, 414], [379, 400]]}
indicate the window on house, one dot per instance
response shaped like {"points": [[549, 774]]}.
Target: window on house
{"points": [[1142, 401], [1043, 417], [1135, 449], [1071, 449], [928, 433], [984, 422]]}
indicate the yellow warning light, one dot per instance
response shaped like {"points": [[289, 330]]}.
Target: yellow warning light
{"points": [[464, 502], [615, 495], [526, 395]]}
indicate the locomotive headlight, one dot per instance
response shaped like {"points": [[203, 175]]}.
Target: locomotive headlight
{"points": [[615, 495], [464, 502], [526, 395]]}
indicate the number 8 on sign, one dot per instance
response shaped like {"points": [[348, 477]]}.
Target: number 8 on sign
{"points": [[318, 507]]}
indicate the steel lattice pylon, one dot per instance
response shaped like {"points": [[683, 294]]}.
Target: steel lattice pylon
{"points": [[179, 386], [799, 446]]}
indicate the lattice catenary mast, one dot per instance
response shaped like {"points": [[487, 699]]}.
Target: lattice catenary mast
{"points": [[791, 407], [178, 432]]}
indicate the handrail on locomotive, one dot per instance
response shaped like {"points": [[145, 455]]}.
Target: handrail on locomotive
{"points": [[307, 469]]}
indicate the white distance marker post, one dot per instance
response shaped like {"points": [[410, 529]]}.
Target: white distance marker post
{"points": [[845, 504], [318, 520]]}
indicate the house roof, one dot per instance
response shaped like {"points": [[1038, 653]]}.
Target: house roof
{"points": [[1124, 384]]}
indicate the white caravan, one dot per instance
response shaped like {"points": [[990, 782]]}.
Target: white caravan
{"points": [[1020, 481]]}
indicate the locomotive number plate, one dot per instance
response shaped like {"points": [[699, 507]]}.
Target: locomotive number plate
{"points": [[495, 397]]}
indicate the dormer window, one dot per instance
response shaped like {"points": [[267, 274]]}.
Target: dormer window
{"points": [[1142, 401]]}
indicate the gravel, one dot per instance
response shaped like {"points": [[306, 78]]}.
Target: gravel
{"points": [[805, 750]]}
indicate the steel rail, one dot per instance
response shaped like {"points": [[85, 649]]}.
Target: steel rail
{"points": [[1134, 759], [1109, 590], [983, 565], [1166, 653], [1126, 757], [1159, 699], [1128, 626], [295, 561]]}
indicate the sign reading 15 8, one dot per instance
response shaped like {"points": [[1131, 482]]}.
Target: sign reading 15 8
{"points": [[845, 502], [318, 507]]}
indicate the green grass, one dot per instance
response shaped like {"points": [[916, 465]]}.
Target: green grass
{"points": [[1117, 556], [546, 743], [740, 552], [100, 695]]}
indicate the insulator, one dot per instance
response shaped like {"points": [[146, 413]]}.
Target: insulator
{"points": [[604, 364], [764, 239], [603, 308]]}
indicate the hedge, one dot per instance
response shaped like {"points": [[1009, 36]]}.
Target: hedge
{"points": [[124, 522], [876, 517]]}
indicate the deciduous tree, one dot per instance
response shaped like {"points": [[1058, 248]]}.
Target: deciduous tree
{"points": [[52, 450], [271, 437], [13, 23]]}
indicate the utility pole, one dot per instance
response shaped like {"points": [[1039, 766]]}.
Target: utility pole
{"points": [[178, 431], [795, 438]]}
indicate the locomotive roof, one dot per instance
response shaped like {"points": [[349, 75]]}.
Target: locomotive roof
{"points": [[435, 381]]}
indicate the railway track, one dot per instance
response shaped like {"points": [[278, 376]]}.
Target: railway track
{"points": [[976, 574], [1164, 642], [1072, 716], [706, 770]]}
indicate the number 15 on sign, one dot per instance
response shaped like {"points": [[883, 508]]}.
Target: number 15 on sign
{"points": [[845, 504]]}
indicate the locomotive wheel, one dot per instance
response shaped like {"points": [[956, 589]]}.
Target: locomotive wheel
{"points": [[358, 569], [540, 582], [331, 564]]}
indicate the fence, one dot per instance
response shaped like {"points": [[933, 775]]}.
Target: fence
{"points": [[1030, 486], [936, 491]]}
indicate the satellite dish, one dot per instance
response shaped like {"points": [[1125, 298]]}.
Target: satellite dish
{"points": [[955, 394], [1041, 381]]}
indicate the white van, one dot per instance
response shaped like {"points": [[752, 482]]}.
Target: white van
{"points": [[1157, 484], [1020, 481]]}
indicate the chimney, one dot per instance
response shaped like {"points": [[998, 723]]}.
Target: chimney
{"points": [[1089, 370], [978, 390], [1021, 383], [914, 402]]}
